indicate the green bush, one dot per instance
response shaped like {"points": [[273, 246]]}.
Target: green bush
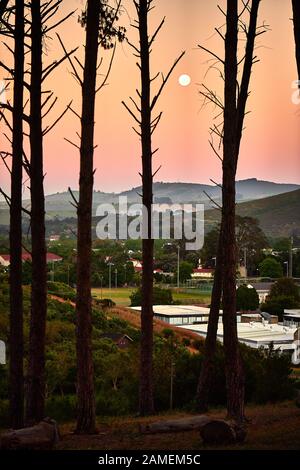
{"points": [[270, 267], [61, 408], [105, 303], [4, 413], [113, 403], [61, 290], [160, 297], [247, 298]]}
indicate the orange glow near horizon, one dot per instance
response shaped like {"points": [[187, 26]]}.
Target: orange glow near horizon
{"points": [[271, 141]]}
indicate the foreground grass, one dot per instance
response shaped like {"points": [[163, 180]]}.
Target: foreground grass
{"points": [[121, 296], [271, 427]]}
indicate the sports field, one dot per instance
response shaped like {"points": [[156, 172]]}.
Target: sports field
{"points": [[121, 296]]}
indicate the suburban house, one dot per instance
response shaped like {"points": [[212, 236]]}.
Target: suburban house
{"points": [[51, 258], [263, 290], [137, 264], [200, 273], [121, 340]]}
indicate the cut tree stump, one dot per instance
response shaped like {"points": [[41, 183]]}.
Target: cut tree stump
{"points": [[42, 436], [219, 432], [213, 431]]}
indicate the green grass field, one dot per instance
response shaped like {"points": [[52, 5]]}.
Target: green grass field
{"points": [[121, 295]]}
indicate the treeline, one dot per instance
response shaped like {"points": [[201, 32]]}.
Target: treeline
{"points": [[117, 370]]}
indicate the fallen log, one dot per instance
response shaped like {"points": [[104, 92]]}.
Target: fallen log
{"points": [[213, 431], [42, 436], [177, 425]]}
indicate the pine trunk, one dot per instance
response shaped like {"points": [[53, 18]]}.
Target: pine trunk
{"points": [[36, 368], [16, 294], [233, 364], [146, 401], [86, 420], [296, 15], [207, 366]]}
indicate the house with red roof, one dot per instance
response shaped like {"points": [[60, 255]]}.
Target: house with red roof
{"points": [[51, 258], [201, 273]]}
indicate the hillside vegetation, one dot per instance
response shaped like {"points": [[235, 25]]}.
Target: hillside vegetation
{"points": [[278, 216]]}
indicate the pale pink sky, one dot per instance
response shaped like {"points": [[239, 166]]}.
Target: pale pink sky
{"points": [[271, 141]]}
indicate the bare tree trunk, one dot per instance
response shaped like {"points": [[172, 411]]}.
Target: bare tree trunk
{"points": [[234, 116], [245, 82], [207, 366], [296, 15], [143, 115], [36, 368], [233, 363], [85, 369], [146, 402], [16, 294]]}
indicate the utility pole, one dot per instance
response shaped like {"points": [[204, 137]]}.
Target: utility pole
{"points": [[109, 277], [287, 268], [245, 262], [178, 267], [116, 278], [172, 383], [101, 279], [291, 258]]}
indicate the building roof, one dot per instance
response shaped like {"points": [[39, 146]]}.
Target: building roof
{"points": [[253, 332], [115, 337], [27, 257], [179, 310], [294, 313], [262, 286], [203, 270]]}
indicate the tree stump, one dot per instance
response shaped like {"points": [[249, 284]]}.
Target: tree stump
{"points": [[220, 432], [42, 436]]}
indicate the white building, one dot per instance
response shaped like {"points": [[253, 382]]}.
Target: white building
{"points": [[180, 314], [261, 335], [292, 318]]}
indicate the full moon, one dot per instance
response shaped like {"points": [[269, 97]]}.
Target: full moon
{"points": [[184, 80]]}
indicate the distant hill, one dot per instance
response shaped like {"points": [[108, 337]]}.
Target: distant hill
{"points": [[59, 205], [279, 216], [276, 206]]}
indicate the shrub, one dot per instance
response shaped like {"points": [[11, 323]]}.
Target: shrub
{"points": [[270, 267], [247, 298], [61, 408], [105, 303], [61, 290], [287, 288], [160, 297], [4, 413]]}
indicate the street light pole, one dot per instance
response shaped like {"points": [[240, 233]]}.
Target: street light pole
{"points": [[291, 258], [287, 268], [172, 383], [245, 262], [178, 267], [109, 275]]}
